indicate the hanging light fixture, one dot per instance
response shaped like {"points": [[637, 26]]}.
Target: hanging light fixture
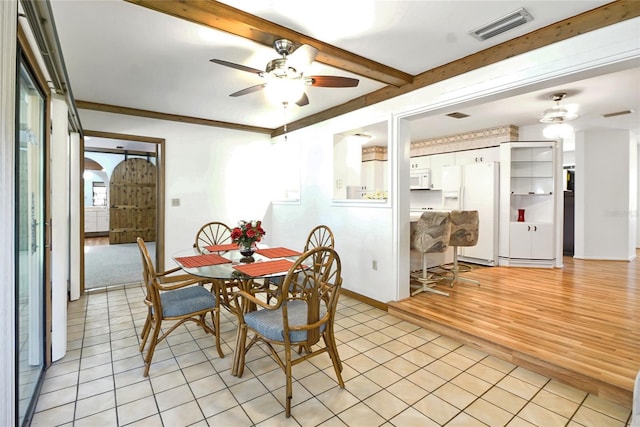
{"points": [[557, 116], [284, 84], [283, 90]]}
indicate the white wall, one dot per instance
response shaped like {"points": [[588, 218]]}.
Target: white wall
{"points": [[606, 179]]}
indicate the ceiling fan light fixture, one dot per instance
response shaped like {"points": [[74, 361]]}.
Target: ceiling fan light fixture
{"points": [[558, 113], [284, 77], [284, 91], [284, 47], [499, 26], [279, 68]]}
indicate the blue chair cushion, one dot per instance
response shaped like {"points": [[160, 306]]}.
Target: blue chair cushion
{"points": [[268, 323], [186, 300]]}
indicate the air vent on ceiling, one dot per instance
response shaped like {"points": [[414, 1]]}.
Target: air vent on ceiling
{"points": [[499, 26], [618, 113], [457, 115]]}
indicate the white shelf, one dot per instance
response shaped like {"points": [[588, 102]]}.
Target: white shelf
{"points": [[528, 184]]}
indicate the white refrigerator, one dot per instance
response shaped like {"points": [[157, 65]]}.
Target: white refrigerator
{"points": [[475, 186]]}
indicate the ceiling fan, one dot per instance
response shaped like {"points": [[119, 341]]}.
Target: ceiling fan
{"points": [[559, 113], [557, 116], [284, 77]]}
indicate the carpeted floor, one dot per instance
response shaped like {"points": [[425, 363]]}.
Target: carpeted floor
{"points": [[109, 265]]}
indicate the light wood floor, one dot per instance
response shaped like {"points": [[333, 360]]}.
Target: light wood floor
{"points": [[96, 241], [579, 324]]}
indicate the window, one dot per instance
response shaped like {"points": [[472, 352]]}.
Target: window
{"points": [[99, 194]]}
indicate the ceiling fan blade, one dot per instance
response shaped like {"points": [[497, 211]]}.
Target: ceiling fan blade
{"points": [[304, 100], [332, 81], [302, 57], [248, 90], [236, 66]]}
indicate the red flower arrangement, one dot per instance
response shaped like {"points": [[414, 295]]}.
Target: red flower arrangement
{"points": [[247, 233]]}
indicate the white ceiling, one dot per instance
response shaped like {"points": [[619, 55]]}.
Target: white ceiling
{"points": [[122, 54]]}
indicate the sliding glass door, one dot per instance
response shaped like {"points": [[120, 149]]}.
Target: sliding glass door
{"points": [[30, 241]]}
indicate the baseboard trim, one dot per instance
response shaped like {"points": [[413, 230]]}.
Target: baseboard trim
{"points": [[364, 299]]}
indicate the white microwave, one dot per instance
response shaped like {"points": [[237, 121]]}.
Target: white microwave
{"points": [[420, 180]]}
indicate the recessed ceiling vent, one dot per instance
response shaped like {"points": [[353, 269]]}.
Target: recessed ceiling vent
{"points": [[458, 115], [499, 26], [618, 113]]}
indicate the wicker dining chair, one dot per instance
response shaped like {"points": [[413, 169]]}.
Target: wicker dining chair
{"points": [[320, 236], [176, 299], [215, 233], [212, 233], [302, 318]]}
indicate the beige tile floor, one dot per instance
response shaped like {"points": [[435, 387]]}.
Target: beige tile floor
{"points": [[396, 374]]}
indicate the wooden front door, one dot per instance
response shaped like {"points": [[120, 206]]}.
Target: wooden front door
{"points": [[133, 201]]}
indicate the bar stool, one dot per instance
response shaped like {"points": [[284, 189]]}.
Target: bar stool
{"points": [[431, 235], [464, 232]]}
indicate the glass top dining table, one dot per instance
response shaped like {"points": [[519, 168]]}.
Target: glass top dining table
{"points": [[229, 270]]}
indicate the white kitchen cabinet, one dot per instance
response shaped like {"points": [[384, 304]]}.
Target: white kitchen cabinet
{"points": [[96, 220], [479, 155], [419, 163], [102, 220], [439, 161], [531, 240], [90, 222], [527, 184]]}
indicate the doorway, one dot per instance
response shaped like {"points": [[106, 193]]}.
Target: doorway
{"points": [[107, 259]]}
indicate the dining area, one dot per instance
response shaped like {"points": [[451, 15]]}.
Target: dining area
{"points": [[282, 299]]}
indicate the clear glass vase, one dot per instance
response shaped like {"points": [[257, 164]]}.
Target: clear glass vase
{"points": [[247, 252]]}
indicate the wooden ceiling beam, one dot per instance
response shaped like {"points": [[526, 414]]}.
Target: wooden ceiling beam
{"points": [[225, 18], [86, 105], [591, 20]]}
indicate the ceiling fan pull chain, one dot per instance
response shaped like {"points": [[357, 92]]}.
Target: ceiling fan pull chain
{"points": [[285, 105]]}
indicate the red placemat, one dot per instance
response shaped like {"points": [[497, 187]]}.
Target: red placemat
{"points": [[201, 260], [225, 247], [278, 252], [265, 267]]}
